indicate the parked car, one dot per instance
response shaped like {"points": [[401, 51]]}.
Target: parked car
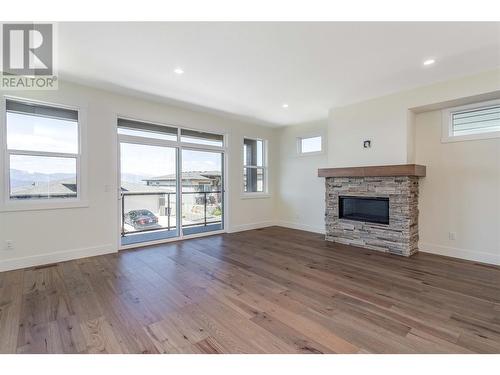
{"points": [[141, 219]]}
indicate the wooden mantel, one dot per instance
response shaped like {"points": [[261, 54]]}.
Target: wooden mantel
{"points": [[375, 171]]}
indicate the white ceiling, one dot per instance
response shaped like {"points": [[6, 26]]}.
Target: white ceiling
{"points": [[251, 69]]}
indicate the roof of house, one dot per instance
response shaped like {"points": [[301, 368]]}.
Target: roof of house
{"points": [[190, 175], [60, 187], [141, 188]]}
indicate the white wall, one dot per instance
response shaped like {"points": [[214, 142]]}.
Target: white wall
{"points": [[51, 235], [301, 193], [460, 194], [389, 123]]}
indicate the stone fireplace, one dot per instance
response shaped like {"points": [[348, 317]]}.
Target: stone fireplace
{"points": [[373, 207]]}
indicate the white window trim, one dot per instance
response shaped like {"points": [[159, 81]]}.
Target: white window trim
{"points": [[7, 204], [265, 170], [313, 153], [447, 125]]}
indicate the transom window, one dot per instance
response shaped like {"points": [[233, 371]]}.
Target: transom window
{"points": [[474, 121], [254, 166], [43, 152], [146, 130], [202, 138], [142, 129]]}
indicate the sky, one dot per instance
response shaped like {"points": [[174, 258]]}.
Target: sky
{"points": [[32, 133], [45, 165], [157, 161]]}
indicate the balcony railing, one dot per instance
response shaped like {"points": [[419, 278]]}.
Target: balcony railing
{"points": [[199, 208]]}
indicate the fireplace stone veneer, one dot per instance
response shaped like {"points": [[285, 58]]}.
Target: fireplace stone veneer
{"points": [[399, 237]]}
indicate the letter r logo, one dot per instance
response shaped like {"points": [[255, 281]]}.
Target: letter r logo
{"points": [[27, 49]]}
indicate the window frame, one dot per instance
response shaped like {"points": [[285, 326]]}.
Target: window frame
{"points": [[180, 146], [312, 153], [9, 204], [447, 123], [265, 170]]}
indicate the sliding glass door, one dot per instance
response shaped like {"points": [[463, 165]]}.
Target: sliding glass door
{"points": [[148, 192], [171, 182], [202, 191]]}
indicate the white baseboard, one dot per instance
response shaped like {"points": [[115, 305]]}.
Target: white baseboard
{"points": [[60, 256], [455, 252], [281, 223], [243, 227], [300, 226]]}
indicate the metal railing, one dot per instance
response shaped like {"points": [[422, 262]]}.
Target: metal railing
{"points": [[168, 206]]}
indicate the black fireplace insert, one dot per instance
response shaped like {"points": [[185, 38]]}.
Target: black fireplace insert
{"points": [[367, 209]]}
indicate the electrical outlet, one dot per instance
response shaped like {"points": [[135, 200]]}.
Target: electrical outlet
{"points": [[9, 245], [452, 236]]}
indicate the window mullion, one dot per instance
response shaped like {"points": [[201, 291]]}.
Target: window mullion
{"points": [[42, 153]]}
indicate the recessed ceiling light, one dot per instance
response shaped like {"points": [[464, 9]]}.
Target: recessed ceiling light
{"points": [[429, 62], [178, 71], [285, 105]]}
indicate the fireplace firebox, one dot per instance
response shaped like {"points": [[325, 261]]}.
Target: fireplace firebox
{"points": [[366, 209]]}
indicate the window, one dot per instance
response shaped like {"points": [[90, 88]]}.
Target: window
{"points": [[43, 152], [474, 121], [146, 130], [254, 166], [310, 145], [201, 138]]}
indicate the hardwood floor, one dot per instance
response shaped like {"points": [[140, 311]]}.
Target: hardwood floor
{"points": [[273, 290]]}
